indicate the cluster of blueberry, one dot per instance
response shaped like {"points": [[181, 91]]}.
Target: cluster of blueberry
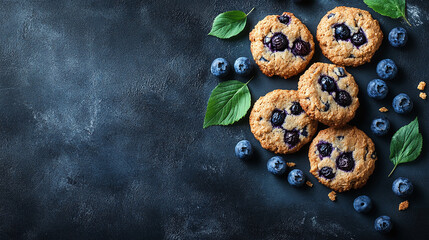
{"points": [[344, 161], [278, 118], [329, 85], [402, 187], [220, 67], [275, 165], [377, 88], [342, 32], [279, 42]]}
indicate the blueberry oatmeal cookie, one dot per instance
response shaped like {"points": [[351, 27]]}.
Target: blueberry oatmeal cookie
{"points": [[328, 93], [349, 36], [279, 123], [281, 45], [342, 158]]}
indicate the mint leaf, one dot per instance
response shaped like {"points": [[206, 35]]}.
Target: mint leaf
{"points": [[406, 144], [389, 8], [228, 103], [229, 24]]}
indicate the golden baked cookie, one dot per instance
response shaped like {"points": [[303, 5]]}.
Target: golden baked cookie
{"points": [[349, 36], [278, 122], [342, 158], [281, 45], [329, 94]]}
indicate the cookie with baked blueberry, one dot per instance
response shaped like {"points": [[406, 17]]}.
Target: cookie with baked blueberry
{"points": [[328, 94], [349, 36], [281, 45], [342, 158], [279, 123]]}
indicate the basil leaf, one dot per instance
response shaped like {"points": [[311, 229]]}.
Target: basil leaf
{"points": [[228, 24], [389, 8], [228, 103], [406, 144]]}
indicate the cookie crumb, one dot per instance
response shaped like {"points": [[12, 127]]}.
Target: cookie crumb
{"points": [[333, 196], [423, 95], [404, 205], [421, 86], [290, 164], [383, 109], [309, 184]]}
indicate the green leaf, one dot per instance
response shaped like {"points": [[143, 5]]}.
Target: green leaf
{"points": [[228, 24], [228, 103], [389, 8], [406, 144]]}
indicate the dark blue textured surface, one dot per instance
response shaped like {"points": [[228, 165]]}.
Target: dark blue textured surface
{"points": [[101, 112]]}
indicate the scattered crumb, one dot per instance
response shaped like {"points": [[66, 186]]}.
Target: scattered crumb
{"points": [[404, 205], [290, 164], [309, 184], [333, 196], [421, 86], [423, 95], [383, 109]]}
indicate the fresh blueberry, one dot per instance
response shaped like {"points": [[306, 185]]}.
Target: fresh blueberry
{"points": [[220, 67], [299, 1], [276, 165], [291, 137], [402, 103], [278, 117], [284, 19], [296, 109], [328, 84], [243, 66], [279, 42], [383, 224], [402, 187], [380, 126], [398, 37], [342, 32], [301, 48], [243, 150], [343, 98], [362, 204], [324, 148], [296, 178], [345, 161], [359, 38], [377, 89], [327, 172], [387, 69]]}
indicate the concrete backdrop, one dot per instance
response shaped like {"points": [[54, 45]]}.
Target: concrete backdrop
{"points": [[101, 112]]}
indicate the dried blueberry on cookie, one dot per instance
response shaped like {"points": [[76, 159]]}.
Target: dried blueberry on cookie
{"points": [[328, 93], [279, 123], [349, 36], [342, 158], [281, 45]]}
